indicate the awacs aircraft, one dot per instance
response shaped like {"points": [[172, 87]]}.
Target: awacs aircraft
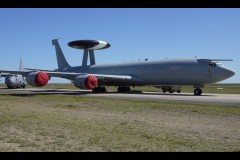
{"points": [[167, 74]]}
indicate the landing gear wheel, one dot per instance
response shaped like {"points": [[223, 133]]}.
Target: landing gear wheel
{"points": [[197, 92], [103, 89], [9, 87], [171, 91], [99, 90], [119, 89], [124, 89]]}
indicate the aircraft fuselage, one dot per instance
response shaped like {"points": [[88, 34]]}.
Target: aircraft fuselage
{"points": [[163, 72]]}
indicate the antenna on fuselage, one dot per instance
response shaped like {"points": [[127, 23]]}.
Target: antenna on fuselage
{"points": [[89, 46]]}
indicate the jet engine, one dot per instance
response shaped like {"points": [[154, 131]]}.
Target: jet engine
{"points": [[85, 82], [37, 79]]}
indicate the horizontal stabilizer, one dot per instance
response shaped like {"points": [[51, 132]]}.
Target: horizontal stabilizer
{"points": [[33, 69], [4, 74]]}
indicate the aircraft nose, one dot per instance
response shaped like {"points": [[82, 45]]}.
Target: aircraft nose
{"points": [[228, 73]]}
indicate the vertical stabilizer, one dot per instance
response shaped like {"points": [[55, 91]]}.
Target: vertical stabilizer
{"points": [[20, 65], [62, 63]]}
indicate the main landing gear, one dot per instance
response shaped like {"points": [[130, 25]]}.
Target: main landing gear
{"points": [[99, 90], [124, 89], [197, 92]]}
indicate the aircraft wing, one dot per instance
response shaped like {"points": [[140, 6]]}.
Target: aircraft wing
{"points": [[215, 59], [33, 69], [24, 73], [4, 74], [72, 75]]}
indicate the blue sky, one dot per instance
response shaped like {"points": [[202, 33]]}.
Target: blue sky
{"points": [[133, 34]]}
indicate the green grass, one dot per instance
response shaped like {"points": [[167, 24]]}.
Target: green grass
{"points": [[74, 123]]}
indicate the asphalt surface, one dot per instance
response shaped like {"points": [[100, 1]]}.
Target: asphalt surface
{"points": [[205, 98]]}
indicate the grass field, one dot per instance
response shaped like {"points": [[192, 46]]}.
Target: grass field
{"points": [[74, 123]]}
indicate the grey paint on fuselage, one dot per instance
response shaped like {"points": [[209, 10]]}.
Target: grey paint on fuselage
{"points": [[164, 72]]}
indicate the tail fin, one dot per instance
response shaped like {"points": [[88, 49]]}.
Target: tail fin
{"points": [[62, 63], [20, 65]]}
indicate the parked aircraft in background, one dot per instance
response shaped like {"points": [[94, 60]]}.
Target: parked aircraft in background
{"points": [[167, 74], [14, 81]]}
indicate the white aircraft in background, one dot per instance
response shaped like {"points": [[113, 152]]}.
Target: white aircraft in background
{"points": [[167, 74], [14, 81]]}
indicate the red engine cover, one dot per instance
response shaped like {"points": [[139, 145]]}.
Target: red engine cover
{"points": [[41, 79], [91, 82]]}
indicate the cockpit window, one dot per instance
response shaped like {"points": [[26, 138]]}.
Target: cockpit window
{"points": [[219, 64], [212, 64]]}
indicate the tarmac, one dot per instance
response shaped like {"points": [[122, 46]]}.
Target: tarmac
{"points": [[205, 98]]}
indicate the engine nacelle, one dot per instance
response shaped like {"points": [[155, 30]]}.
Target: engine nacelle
{"points": [[37, 79], [85, 82]]}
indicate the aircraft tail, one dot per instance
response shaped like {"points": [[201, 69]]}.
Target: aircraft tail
{"points": [[20, 65], [62, 63]]}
